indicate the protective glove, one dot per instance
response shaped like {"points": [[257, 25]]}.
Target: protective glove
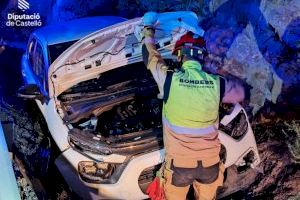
{"points": [[150, 19]]}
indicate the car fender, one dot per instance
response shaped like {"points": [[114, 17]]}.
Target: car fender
{"points": [[237, 149]]}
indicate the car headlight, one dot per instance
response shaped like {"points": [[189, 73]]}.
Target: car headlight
{"points": [[93, 172], [237, 128]]}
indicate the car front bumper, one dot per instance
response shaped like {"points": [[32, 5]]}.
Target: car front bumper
{"points": [[127, 186]]}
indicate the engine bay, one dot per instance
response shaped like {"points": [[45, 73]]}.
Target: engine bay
{"points": [[120, 107], [131, 116]]}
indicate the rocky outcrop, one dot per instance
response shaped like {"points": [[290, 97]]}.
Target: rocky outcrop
{"points": [[257, 41]]}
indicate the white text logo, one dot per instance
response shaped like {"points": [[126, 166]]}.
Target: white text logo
{"points": [[23, 5], [23, 19]]}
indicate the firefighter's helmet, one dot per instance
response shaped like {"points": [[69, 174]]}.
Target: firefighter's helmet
{"points": [[191, 45]]}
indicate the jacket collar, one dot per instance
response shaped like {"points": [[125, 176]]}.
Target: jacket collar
{"points": [[191, 64]]}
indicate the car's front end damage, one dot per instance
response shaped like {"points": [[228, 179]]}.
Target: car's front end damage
{"points": [[107, 101], [131, 129], [122, 116]]}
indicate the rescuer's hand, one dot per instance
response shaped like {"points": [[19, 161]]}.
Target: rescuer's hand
{"points": [[148, 32], [150, 19]]}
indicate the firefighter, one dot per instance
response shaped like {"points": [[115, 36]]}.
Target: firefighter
{"points": [[191, 100]]}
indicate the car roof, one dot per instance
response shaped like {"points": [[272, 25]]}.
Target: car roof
{"points": [[74, 29]]}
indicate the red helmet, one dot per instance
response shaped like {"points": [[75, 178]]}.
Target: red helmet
{"points": [[190, 44]]}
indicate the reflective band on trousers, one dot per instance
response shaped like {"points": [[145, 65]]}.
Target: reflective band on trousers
{"points": [[189, 131]]}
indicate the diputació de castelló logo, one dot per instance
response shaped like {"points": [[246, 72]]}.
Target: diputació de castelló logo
{"points": [[23, 19]]}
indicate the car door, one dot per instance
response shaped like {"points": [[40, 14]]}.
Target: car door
{"points": [[39, 69]]}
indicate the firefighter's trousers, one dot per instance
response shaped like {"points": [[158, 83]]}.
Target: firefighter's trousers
{"points": [[204, 180]]}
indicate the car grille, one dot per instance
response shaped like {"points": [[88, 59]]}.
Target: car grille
{"points": [[128, 144]]}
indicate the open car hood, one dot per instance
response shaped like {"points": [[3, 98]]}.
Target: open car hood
{"points": [[115, 46]]}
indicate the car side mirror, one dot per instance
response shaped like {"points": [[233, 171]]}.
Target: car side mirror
{"points": [[30, 91]]}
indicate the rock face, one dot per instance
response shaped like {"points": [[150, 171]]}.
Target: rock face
{"points": [[284, 16], [240, 56], [258, 42], [257, 70]]}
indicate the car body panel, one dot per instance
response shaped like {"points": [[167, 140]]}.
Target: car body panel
{"points": [[58, 129], [74, 29], [237, 149], [121, 189], [113, 47], [27, 74]]}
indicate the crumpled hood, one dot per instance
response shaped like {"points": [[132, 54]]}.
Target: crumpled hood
{"points": [[115, 46]]}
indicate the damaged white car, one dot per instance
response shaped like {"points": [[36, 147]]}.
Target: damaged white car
{"points": [[101, 107]]}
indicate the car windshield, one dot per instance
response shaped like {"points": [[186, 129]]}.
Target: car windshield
{"points": [[56, 49]]}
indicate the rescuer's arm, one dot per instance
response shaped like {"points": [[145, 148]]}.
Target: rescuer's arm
{"points": [[151, 56], [234, 91]]}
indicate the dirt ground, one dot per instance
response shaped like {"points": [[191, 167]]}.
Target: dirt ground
{"points": [[278, 145]]}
